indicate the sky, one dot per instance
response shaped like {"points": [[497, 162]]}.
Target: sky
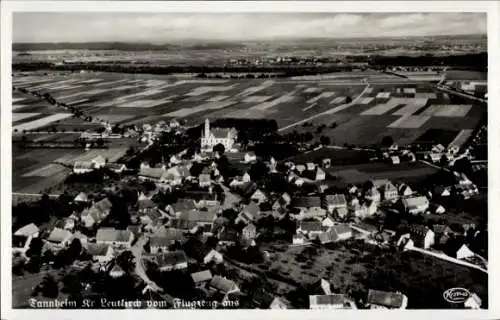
{"points": [[168, 27]]}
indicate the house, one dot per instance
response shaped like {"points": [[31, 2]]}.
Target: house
{"points": [[96, 213], [173, 176], [212, 137], [82, 167], [182, 205], [473, 302], [145, 205], [250, 157], [364, 230], [191, 219], [99, 162], [395, 160], [213, 256], [162, 239], [116, 167], [21, 239], [333, 201], [386, 300], [250, 212], [114, 237], [415, 205], [156, 175], [201, 278], [258, 196], [249, 232], [101, 253], [320, 174], [340, 213], [279, 303], [174, 260], [330, 301], [464, 252], [328, 222], [405, 190], [116, 271], [442, 191], [340, 232], [389, 191], [438, 209], [59, 238], [306, 202], [223, 285], [300, 168], [421, 236], [204, 180], [310, 166], [81, 197], [81, 237], [310, 213], [227, 236], [368, 208], [310, 228], [299, 239], [326, 163]]}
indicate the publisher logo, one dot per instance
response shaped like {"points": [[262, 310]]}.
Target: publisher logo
{"points": [[456, 295]]}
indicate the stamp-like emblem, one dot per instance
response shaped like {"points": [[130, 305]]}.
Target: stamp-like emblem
{"points": [[456, 295]]}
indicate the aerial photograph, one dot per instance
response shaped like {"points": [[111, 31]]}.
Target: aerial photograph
{"points": [[249, 160]]}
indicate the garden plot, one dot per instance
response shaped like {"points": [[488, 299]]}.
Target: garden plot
{"points": [[75, 102], [128, 98], [449, 110], [380, 109], [198, 91], [18, 106], [461, 137], [256, 99], [338, 100], [41, 122], [410, 122], [143, 103], [91, 81], [327, 94], [252, 90], [310, 106], [184, 112], [16, 99], [412, 106], [312, 90], [21, 116], [155, 83]]}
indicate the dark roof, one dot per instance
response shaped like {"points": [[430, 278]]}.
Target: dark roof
{"points": [[253, 209], [228, 235], [103, 205], [19, 241], [196, 249], [328, 299], [145, 204], [96, 249], [171, 258], [386, 299], [111, 234], [310, 225], [184, 205], [189, 219], [166, 237], [306, 202], [222, 284], [201, 276], [262, 299]]}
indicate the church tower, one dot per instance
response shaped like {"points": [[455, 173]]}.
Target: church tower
{"points": [[207, 128]]}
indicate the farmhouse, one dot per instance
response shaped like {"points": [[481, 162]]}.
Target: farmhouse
{"points": [[258, 196], [156, 175], [175, 260], [116, 167], [386, 300], [201, 278], [114, 237], [211, 138], [21, 239], [330, 301], [223, 285], [164, 238], [81, 167], [415, 205], [419, 236], [191, 219], [204, 180], [250, 157], [405, 190], [81, 197], [97, 213], [59, 238], [101, 253], [389, 191], [334, 201], [310, 228]]}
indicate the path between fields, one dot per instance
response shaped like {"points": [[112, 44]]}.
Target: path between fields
{"points": [[443, 256], [333, 110]]}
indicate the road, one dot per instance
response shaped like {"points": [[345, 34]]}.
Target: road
{"points": [[465, 95], [137, 249], [443, 256], [333, 110]]}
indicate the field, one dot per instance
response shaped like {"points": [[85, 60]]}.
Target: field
{"points": [[35, 170]]}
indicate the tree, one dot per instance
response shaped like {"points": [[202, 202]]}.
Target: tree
{"points": [[49, 287], [219, 148], [258, 171], [324, 140], [35, 248], [348, 99], [75, 249], [387, 141], [308, 136], [126, 261]]}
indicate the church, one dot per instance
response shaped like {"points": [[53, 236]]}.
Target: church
{"points": [[212, 137]]}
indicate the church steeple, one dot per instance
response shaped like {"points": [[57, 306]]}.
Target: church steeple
{"points": [[207, 128]]}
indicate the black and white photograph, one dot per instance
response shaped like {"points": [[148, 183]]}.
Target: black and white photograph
{"points": [[247, 160]]}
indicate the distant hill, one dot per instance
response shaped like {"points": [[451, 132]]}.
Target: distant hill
{"points": [[193, 44]]}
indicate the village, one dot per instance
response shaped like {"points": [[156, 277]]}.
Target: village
{"points": [[190, 227]]}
